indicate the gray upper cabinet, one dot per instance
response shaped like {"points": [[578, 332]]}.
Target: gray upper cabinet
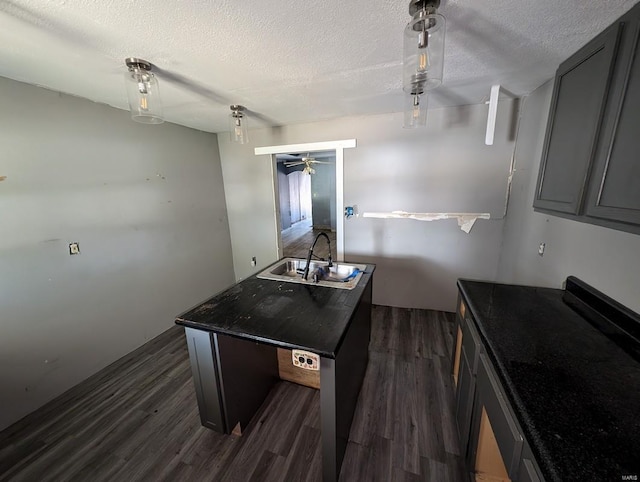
{"points": [[579, 96], [590, 169], [614, 191]]}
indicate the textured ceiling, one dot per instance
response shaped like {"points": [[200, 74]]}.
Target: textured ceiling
{"points": [[287, 61]]}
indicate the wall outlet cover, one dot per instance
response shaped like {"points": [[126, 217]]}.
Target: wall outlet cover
{"points": [[74, 248], [305, 360]]}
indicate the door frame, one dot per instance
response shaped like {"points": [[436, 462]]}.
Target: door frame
{"points": [[338, 146]]}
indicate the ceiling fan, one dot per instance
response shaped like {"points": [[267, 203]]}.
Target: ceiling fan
{"points": [[307, 161]]}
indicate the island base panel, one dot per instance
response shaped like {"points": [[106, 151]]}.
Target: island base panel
{"points": [[232, 378], [340, 380], [248, 372], [204, 370]]}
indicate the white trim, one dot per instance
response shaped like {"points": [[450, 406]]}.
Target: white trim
{"points": [[311, 146], [340, 204], [493, 113], [276, 196], [339, 147]]}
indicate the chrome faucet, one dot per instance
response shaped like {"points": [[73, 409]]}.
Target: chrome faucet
{"points": [[305, 275]]}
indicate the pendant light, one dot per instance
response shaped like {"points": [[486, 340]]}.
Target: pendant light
{"points": [[415, 109], [423, 61], [143, 92], [238, 124]]}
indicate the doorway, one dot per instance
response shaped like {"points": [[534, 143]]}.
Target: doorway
{"points": [[307, 201], [335, 146]]}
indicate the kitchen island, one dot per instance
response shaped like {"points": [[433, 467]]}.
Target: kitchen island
{"points": [[233, 339]]}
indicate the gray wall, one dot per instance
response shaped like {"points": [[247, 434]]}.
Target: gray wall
{"points": [[607, 259], [146, 204], [323, 195], [285, 202], [446, 167]]}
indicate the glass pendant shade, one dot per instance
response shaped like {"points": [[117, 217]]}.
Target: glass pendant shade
{"points": [[415, 111], [423, 62], [238, 125], [143, 93]]}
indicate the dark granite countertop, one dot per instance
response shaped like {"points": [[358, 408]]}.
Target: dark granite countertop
{"points": [[287, 315], [575, 393]]}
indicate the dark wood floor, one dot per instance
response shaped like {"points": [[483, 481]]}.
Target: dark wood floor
{"points": [[298, 238], [138, 419]]}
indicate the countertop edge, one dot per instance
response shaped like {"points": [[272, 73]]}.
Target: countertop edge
{"points": [[247, 337], [359, 290], [517, 405]]}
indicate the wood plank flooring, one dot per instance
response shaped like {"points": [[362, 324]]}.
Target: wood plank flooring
{"points": [[297, 239], [138, 419]]}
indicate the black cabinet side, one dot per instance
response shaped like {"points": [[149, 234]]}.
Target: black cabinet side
{"points": [[248, 372], [340, 382], [206, 379]]}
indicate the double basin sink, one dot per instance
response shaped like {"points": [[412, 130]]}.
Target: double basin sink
{"points": [[339, 275]]}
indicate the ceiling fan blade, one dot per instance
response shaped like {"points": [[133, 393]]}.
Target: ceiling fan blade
{"points": [[294, 163]]}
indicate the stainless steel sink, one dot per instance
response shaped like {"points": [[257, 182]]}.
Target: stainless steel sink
{"points": [[290, 270]]}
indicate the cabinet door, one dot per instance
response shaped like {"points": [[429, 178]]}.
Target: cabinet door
{"points": [[580, 93], [470, 349], [615, 185], [497, 426], [464, 402], [455, 361], [471, 344], [457, 354], [528, 468]]}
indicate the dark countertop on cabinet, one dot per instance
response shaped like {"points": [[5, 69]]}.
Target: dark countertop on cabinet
{"points": [[575, 393], [287, 315]]}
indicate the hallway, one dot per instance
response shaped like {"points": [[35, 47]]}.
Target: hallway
{"points": [[297, 239]]}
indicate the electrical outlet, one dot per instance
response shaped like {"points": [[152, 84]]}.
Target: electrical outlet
{"points": [[254, 261], [541, 249], [74, 248], [305, 359], [350, 211]]}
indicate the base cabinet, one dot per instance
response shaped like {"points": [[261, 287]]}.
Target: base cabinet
{"points": [[465, 368], [464, 401], [496, 438], [469, 352], [491, 440]]}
